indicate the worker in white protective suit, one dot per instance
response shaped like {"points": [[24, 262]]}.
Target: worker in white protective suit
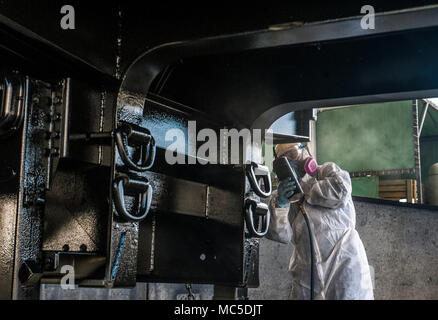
{"points": [[341, 269]]}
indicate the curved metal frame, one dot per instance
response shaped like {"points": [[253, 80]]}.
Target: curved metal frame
{"points": [[147, 66]]}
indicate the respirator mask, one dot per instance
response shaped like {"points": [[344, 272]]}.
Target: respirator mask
{"points": [[300, 159], [309, 166]]}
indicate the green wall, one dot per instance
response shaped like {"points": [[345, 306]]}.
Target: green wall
{"points": [[365, 187], [367, 137]]}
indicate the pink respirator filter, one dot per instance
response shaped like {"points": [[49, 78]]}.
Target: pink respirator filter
{"points": [[310, 166]]}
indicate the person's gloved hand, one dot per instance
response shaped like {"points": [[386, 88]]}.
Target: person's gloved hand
{"points": [[286, 190]]}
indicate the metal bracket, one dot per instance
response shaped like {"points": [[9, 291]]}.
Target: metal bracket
{"points": [[13, 92], [30, 273], [253, 211], [57, 133], [256, 171], [142, 191], [140, 138]]}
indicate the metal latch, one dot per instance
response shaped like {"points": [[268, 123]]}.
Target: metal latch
{"points": [[140, 189], [255, 172], [257, 217], [144, 143]]}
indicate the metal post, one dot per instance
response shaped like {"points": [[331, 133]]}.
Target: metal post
{"points": [[417, 150], [423, 117]]}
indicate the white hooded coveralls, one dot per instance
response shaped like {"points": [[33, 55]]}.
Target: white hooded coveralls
{"points": [[341, 265]]}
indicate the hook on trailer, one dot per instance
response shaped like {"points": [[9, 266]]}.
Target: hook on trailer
{"points": [[142, 191], [142, 140], [253, 212], [255, 172]]}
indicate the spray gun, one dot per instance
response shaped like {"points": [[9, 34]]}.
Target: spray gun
{"points": [[284, 170]]}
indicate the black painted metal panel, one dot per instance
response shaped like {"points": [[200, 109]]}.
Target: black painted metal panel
{"points": [[76, 209]]}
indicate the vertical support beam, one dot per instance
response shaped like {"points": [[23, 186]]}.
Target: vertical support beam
{"points": [[423, 117], [21, 200], [121, 269], [31, 194], [417, 149], [312, 143]]}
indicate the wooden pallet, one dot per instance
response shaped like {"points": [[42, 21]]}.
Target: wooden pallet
{"points": [[398, 189]]}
